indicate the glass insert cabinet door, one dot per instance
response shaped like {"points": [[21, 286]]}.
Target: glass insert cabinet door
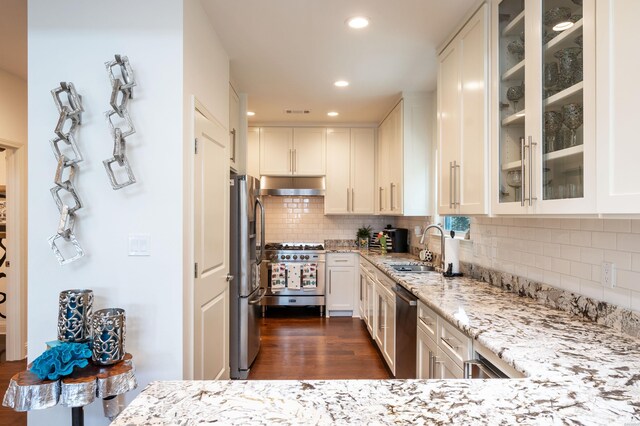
{"points": [[546, 68]]}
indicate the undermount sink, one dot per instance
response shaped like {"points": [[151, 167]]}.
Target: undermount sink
{"points": [[413, 268]]}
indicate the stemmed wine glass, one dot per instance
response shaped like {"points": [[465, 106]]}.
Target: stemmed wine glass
{"points": [[551, 77], [514, 180], [552, 123], [514, 94], [573, 119]]}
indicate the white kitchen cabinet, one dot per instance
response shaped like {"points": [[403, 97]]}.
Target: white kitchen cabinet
{"points": [[309, 151], [544, 145], [362, 294], [341, 284], [253, 152], [463, 118], [276, 151], [234, 128], [350, 173], [441, 348], [286, 151], [617, 117], [427, 351], [385, 321], [404, 158]]}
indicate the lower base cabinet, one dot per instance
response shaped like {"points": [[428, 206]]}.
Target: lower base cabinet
{"points": [[341, 284], [441, 348]]}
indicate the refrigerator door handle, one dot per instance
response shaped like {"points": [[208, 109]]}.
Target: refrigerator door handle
{"points": [[257, 301], [262, 230]]}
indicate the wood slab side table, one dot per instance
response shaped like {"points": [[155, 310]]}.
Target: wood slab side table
{"points": [[27, 392]]}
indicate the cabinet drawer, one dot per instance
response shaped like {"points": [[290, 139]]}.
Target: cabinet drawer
{"points": [[447, 367], [341, 259], [454, 343], [428, 321]]}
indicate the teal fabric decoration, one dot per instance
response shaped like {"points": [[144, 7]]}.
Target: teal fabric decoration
{"points": [[60, 360]]}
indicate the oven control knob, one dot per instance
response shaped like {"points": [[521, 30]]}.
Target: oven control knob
{"points": [[307, 257], [288, 257], [282, 256], [295, 257]]}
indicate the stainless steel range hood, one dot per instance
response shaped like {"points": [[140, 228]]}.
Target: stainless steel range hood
{"points": [[292, 186]]}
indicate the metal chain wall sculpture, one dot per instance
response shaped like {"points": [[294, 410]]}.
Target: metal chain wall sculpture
{"points": [[69, 105], [121, 93]]}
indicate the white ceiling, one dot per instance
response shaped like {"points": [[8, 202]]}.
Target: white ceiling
{"points": [[288, 53], [13, 37]]}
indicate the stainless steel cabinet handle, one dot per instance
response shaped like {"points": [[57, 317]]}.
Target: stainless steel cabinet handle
{"points": [[352, 200], [329, 283], [522, 177], [432, 365], [233, 145], [426, 322], [380, 198], [295, 160], [348, 200], [457, 190], [447, 341], [291, 160], [391, 194], [531, 195], [450, 184]]}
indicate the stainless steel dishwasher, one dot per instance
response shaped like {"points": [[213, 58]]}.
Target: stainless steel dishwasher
{"points": [[406, 328]]}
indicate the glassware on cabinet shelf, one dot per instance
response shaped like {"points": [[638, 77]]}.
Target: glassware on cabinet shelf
{"points": [[573, 118], [514, 180], [551, 78], [552, 124], [516, 48], [514, 94], [570, 66]]}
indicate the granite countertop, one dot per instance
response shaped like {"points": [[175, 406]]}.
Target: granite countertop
{"points": [[578, 372]]}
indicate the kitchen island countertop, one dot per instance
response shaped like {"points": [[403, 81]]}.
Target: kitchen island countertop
{"points": [[578, 372]]}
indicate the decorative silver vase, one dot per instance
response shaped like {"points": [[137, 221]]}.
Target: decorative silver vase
{"points": [[108, 334], [74, 314]]}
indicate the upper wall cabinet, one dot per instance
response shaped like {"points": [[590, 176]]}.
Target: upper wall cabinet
{"points": [[404, 163], [543, 113], [234, 128], [299, 152], [350, 173], [253, 152], [617, 93], [463, 117]]}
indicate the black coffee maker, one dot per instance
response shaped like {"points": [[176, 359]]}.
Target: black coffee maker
{"points": [[399, 239]]}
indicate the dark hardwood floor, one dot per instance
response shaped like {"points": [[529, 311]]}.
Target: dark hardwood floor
{"points": [[298, 344], [7, 370]]}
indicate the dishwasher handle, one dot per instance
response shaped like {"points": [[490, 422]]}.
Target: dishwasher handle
{"points": [[477, 369], [401, 295]]}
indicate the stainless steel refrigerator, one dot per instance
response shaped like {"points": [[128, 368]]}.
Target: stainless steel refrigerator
{"points": [[246, 251]]}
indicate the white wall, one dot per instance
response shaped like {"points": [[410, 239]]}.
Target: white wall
{"points": [[206, 78], [69, 40]]}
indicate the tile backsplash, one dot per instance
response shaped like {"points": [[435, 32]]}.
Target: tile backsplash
{"points": [[563, 253], [302, 219]]}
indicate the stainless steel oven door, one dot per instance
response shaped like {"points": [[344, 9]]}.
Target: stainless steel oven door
{"points": [[265, 275]]}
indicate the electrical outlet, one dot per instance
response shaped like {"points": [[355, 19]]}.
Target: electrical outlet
{"points": [[608, 274]]}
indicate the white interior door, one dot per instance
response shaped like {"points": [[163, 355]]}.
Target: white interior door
{"points": [[211, 228]]}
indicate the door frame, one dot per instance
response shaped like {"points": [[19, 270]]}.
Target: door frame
{"points": [[16, 332]]}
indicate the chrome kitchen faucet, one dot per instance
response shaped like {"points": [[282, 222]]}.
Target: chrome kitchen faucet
{"points": [[438, 227]]}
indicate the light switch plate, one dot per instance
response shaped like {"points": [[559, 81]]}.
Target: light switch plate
{"points": [[139, 244]]}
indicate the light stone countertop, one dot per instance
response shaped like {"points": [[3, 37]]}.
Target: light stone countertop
{"points": [[578, 372]]}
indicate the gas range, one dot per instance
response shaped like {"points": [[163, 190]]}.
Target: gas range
{"points": [[294, 252]]}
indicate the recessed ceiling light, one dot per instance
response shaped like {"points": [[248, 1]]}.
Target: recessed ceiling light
{"points": [[358, 22], [341, 83], [251, 113], [332, 114], [561, 26]]}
